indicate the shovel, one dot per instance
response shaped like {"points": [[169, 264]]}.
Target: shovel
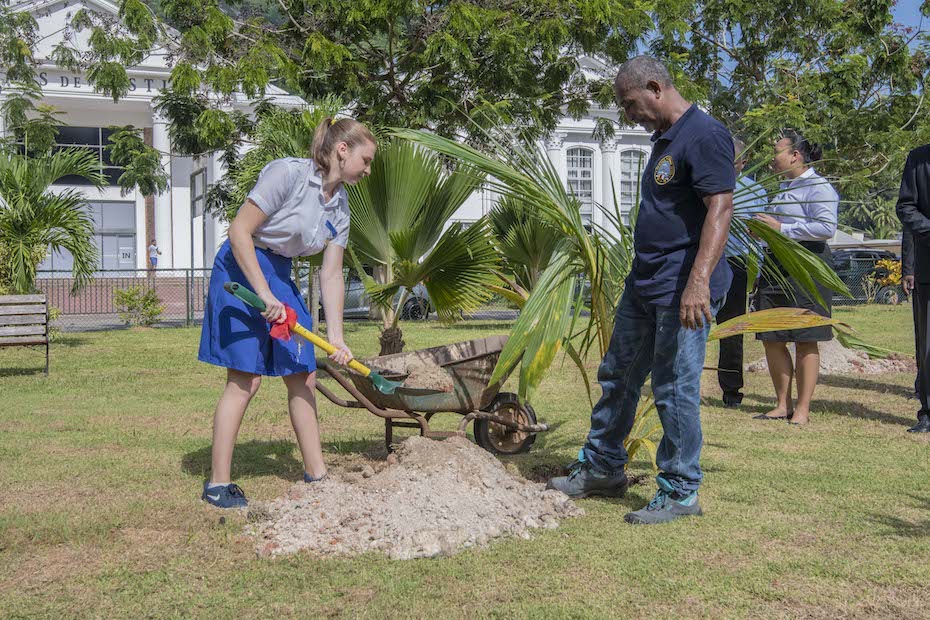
{"points": [[383, 385]]}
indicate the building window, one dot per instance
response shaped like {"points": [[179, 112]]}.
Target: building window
{"points": [[631, 170], [198, 192], [114, 236], [581, 180], [93, 139]]}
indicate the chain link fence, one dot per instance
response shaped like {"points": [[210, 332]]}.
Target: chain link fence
{"points": [[181, 294], [869, 282]]}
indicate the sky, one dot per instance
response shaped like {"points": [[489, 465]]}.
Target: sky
{"points": [[907, 12]]}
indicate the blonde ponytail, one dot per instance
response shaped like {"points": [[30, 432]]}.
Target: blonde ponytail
{"points": [[331, 132]]}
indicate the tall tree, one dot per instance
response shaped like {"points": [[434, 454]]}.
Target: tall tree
{"points": [[841, 71], [435, 65]]}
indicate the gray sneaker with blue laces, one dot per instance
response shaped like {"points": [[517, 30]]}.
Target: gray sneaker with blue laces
{"points": [[667, 505], [584, 481], [228, 496]]}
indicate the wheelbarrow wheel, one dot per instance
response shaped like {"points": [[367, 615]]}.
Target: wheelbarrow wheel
{"points": [[498, 439]]}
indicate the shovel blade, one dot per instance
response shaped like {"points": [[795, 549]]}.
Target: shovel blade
{"points": [[384, 385]]}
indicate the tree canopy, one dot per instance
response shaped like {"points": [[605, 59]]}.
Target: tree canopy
{"points": [[841, 71], [435, 65]]}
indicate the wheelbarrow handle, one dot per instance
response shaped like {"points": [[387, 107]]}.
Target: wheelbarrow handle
{"points": [[253, 300]]}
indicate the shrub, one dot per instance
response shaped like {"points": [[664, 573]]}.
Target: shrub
{"points": [[138, 306], [889, 272], [54, 331]]}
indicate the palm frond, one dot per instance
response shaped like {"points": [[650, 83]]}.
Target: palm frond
{"points": [[543, 322], [386, 206], [526, 240], [848, 338], [773, 319], [799, 262]]}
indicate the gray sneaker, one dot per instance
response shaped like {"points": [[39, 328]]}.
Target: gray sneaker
{"points": [[583, 481], [665, 506]]}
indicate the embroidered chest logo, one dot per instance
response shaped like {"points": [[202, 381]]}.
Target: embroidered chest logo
{"points": [[665, 170]]}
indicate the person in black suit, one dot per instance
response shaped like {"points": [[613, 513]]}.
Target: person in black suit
{"points": [[907, 283], [914, 212]]}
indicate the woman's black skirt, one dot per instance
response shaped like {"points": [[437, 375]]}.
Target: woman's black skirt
{"points": [[773, 295]]}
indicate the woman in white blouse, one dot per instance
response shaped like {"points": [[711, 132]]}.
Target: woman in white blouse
{"points": [[805, 211]]}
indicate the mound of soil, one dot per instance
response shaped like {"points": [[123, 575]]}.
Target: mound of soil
{"points": [[430, 498], [835, 359]]}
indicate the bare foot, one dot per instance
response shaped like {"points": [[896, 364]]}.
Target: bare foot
{"points": [[778, 413], [800, 417]]}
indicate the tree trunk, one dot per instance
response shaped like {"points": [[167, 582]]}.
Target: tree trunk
{"points": [[392, 341]]}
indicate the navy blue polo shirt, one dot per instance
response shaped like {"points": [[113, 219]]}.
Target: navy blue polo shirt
{"points": [[691, 160]]}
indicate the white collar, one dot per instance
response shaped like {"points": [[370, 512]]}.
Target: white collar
{"points": [[317, 179], [807, 174]]}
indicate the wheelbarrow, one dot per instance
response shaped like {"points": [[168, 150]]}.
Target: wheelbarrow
{"points": [[504, 424]]}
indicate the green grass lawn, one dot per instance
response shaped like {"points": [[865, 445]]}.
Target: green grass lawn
{"points": [[102, 463]]}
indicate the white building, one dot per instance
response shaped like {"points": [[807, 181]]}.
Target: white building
{"points": [[125, 225], [595, 170]]}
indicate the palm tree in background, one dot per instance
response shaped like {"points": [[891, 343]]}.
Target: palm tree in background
{"points": [[35, 220], [399, 224], [399, 215]]}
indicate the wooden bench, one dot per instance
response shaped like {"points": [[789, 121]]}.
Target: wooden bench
{"points": [[24, 321]]}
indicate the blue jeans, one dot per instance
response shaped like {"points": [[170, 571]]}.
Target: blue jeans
{"points": [[649, 338]]}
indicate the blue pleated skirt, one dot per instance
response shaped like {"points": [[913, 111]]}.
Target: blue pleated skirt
{"points": [[236, 336]]}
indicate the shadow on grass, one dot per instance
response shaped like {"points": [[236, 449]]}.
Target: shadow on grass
{"points": [[251, 458], [69, 341], [902, 527], [842, 408], [38, 353], [24, 372], [857, 383]]}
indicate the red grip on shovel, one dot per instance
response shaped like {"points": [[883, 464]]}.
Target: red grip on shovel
{"points": [[282, 331]]}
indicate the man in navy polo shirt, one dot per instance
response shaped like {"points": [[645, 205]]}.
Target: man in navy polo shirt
{"points": [[677, 284]]}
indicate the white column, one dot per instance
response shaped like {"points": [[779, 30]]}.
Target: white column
{"points": [[216, 228], [163, 232], [554, 151], [610, 173]]}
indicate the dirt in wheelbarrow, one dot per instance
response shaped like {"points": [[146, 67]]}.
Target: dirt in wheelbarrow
{"points": [[422, 374], [430, 498]]}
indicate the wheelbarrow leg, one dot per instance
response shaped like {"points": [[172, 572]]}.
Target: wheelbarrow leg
{"points": [[388, 434]]}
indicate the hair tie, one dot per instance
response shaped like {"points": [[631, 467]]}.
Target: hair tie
{"points": [[332, 122]]}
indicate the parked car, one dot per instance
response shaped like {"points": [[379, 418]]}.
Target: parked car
{"points": [[859, 271], [358, 304]]}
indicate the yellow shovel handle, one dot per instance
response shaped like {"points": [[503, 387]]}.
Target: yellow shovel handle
{"points": [[355, 365]]}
